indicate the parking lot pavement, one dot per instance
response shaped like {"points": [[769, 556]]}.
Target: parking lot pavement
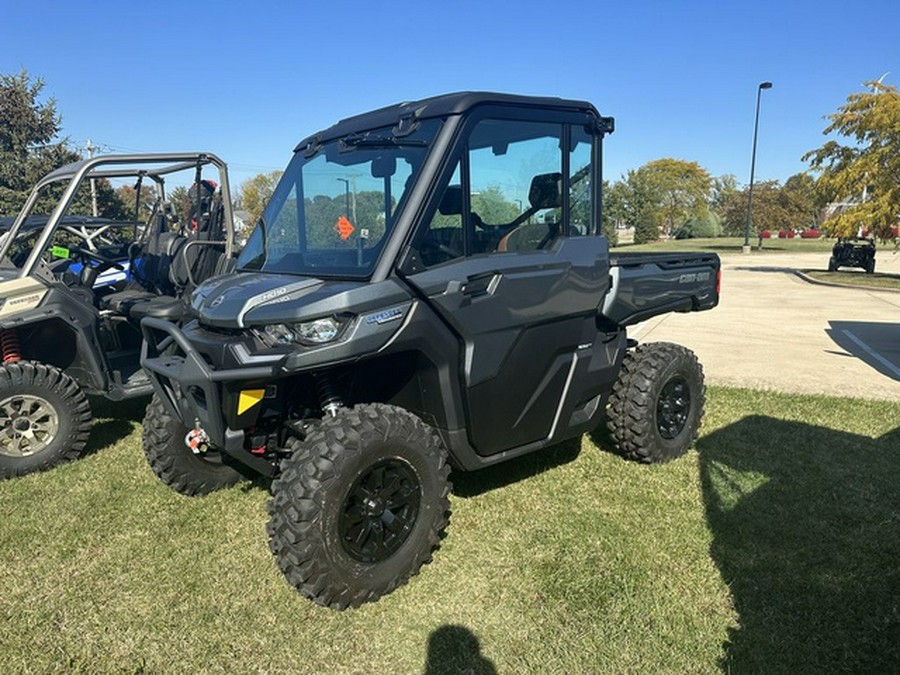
{"points": [[772, 330]]}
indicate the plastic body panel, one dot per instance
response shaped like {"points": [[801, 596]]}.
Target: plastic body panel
{"points": [[645, 285]]}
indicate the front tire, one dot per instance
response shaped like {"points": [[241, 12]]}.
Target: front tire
{"points": [[360, 505], [832, 264], [657, 403], [174, 463], [45, 418]]}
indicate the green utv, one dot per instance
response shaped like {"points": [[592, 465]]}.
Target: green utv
{"points": [[428, 287], [73, 290]]}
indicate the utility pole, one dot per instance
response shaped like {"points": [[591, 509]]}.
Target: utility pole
{"points": [[90, 147]]}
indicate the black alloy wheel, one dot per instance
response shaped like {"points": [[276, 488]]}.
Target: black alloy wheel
{"points": [[380, 510], [673, 407]]}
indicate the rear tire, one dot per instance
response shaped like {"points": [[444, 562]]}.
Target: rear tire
{"points": [[360, 505], [45, 418], [657, 403], [870, 267], [174, 463], [832, 264]]}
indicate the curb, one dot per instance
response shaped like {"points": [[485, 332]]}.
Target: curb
{"points": [[808, 279]]}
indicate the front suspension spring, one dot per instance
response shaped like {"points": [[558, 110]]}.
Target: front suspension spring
{"points": [[329, 399], [9, 342]]}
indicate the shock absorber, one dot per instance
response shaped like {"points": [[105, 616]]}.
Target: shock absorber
{"points": [[328, 397], [9, 341]]}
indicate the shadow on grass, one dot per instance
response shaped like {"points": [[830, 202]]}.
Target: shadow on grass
{"points": [[806, 533], [106, 433], [131, 409], [474, 483], [455, 649]]}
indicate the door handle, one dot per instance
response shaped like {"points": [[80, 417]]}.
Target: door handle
{"points": [[484, 284]]}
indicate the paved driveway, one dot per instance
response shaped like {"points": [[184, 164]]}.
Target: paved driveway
{"points": [[772, 330]]}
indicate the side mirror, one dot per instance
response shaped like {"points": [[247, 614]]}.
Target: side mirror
{"points": [[545, 191], [384, 167], [451, 202]]}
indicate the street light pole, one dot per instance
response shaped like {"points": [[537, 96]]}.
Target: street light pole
{"points": [[746, 247]]}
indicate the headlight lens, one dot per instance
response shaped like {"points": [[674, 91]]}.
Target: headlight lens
{"points": [[280, 333], [316, 332]]}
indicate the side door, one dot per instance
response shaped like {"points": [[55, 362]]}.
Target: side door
{"points": [[511, 260]]}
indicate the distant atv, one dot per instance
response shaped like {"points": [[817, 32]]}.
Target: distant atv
{"points": [[73, 290], [853, 252]]}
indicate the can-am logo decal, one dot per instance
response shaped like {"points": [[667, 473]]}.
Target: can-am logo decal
{"points": [[696, 276]]}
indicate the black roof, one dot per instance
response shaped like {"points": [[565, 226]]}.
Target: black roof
{"points": [[440, 106]]}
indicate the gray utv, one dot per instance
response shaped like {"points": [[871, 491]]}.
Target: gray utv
{"points": [[428, 287]]}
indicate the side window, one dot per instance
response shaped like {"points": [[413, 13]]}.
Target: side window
{"points": [[443, 238], [581, 187], [514, 177]]}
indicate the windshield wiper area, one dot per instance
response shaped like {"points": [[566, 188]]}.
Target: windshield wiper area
{"points": [[368, 141]]}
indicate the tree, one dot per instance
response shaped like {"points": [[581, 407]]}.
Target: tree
{"points": [[27, 152], [636, 200], [127, 195], [723, 189], [493, 207], [683, 187], [775, 207], [27, 127], [867, 163], [769, 212], [256, 192], [799, 197]]}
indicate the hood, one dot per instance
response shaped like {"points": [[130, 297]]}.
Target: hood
{"points": [[246, 299]]}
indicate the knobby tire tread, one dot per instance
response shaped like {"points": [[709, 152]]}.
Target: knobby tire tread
{"points": [[299, 496]]}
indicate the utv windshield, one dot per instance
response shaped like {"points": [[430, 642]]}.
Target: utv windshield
{"points": [[336, 204]]}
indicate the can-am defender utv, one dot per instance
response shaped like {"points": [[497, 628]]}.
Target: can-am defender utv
{"points": [[853, 252], [428, 286], [73, 290]]}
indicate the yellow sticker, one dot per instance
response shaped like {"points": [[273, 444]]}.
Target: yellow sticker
{"points": [[249, 398]]}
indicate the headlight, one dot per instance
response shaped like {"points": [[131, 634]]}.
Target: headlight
{"points": [[316, 332]]}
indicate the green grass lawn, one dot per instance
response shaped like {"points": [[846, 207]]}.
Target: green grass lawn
{"points": [[772, 547], [858, 279], [734, 244]]}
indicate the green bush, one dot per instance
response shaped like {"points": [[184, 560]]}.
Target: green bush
{"points": [[700, 228]]}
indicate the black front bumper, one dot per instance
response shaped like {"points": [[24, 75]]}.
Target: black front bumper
{"points": [[191, 389]]}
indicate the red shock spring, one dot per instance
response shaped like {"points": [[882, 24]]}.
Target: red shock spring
{"points": [[9, 341]]}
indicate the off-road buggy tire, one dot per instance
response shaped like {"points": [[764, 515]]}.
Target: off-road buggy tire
{"points": [[870, 266], [832, 264], [341, 490], [177, 465], [657, 402], [45, 418]]}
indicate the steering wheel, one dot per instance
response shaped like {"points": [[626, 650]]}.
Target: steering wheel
{"points": [[89, 273], [104, 262]]}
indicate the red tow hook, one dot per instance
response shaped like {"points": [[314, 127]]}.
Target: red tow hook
{"points": [[197, 439]]}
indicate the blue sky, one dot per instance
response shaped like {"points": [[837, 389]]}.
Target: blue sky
{"points": [[248, 80]]}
